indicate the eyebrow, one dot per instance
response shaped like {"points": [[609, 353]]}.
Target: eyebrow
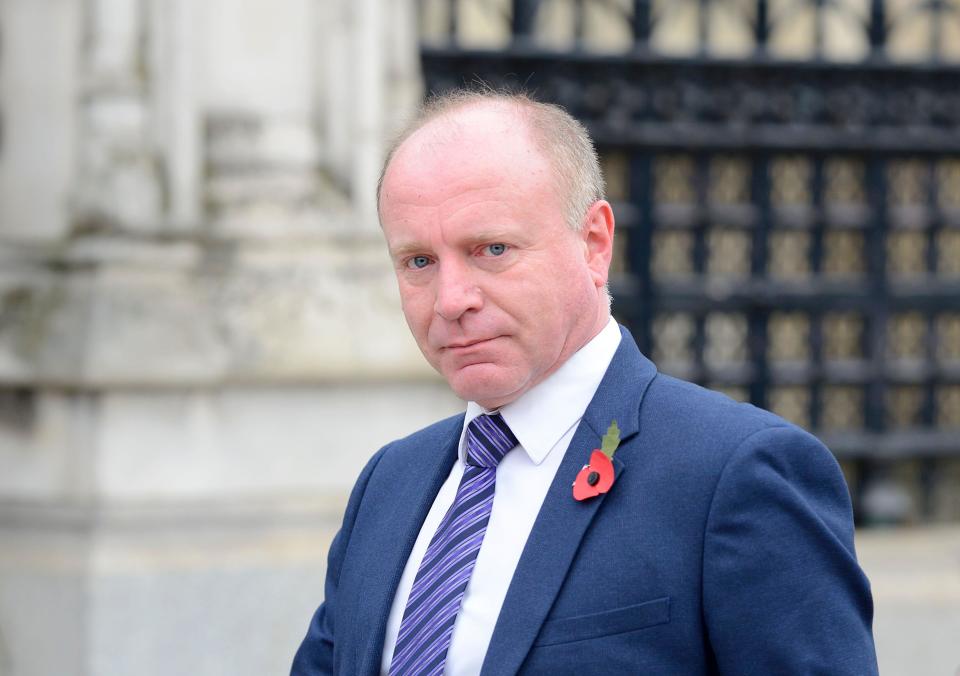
{"points": [[406, 249], [489, 236], [473, 239]]}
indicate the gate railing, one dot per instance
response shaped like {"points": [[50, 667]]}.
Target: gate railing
{"points": [[789, 229]]}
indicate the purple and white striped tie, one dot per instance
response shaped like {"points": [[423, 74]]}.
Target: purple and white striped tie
{"points": [[434, 601]]}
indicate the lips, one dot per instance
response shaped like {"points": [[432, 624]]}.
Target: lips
{"points": [[467, 344]]}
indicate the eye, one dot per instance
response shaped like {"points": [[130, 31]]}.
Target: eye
{"points": [[418, 262], [497, 249]]}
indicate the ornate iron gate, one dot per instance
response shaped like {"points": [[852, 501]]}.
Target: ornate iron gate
{"points": [[789, 228]]}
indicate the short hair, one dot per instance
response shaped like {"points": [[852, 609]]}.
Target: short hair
{"points": [[562, 139]]}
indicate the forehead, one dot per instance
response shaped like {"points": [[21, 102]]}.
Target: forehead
{"points": [[477, 148]]}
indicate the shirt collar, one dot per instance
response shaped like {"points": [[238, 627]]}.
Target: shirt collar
{"points": [[543, 414]]}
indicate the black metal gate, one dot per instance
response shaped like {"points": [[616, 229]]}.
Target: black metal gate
{"points": [[789, 228]]}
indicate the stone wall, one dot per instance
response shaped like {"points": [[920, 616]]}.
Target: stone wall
{"points": [[200, 336]]}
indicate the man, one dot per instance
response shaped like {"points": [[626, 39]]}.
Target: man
{"points": [[723, 545]]}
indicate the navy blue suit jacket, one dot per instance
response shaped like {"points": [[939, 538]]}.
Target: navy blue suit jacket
{"points": [[725, 546]]}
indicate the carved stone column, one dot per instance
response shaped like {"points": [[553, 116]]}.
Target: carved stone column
{"points": [[119, 179], [38, 87]]}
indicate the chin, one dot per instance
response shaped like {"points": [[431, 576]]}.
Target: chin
{"points": [[485, 384]]}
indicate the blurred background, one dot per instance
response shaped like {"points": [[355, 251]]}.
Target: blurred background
{"points": [[200, 335]]}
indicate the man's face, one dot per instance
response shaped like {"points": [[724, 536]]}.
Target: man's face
{"points": [[495, 287]]}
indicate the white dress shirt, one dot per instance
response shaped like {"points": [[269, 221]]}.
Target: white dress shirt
{"points": [[543, 420]]}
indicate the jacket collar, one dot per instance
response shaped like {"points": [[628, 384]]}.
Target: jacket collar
{"points": [[415, 472]]}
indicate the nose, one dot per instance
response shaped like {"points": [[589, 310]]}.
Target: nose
{"points": [[456, 291]]}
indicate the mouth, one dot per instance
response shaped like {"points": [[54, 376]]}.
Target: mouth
{"points": [[469, 343]]}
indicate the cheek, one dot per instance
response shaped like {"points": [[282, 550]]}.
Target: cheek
{"points": [[417, 308], [557, 294]]}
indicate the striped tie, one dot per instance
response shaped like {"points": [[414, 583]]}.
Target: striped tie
{"points": [[434, 601]]}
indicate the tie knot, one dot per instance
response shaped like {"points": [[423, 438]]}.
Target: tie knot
{"points": [[488, 440]]}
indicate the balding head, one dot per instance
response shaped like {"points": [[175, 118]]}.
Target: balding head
{"points": [[563, 141]]}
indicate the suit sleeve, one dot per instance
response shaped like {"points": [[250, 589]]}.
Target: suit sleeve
{"points": [[782, 590], [315, 655]]}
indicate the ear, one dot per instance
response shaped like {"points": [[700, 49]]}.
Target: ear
{"points": [[597, 234]]}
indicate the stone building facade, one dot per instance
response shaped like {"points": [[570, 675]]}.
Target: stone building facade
{"points": [[200, 339]]}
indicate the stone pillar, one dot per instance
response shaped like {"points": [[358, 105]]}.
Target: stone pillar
{"points": [[118, 182], [173, 57], [38, 88]]}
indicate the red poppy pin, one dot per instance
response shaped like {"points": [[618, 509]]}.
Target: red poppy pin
{"points": [[597, 477]]}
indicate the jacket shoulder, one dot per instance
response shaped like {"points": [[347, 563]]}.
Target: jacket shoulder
{"points": [[431, 435], [707, 422]]}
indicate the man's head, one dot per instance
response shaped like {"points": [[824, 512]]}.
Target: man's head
{"points": [[501, 251]]}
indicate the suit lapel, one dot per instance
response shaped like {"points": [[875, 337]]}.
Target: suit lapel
{"points": [[562, 521], [408, 493]]}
